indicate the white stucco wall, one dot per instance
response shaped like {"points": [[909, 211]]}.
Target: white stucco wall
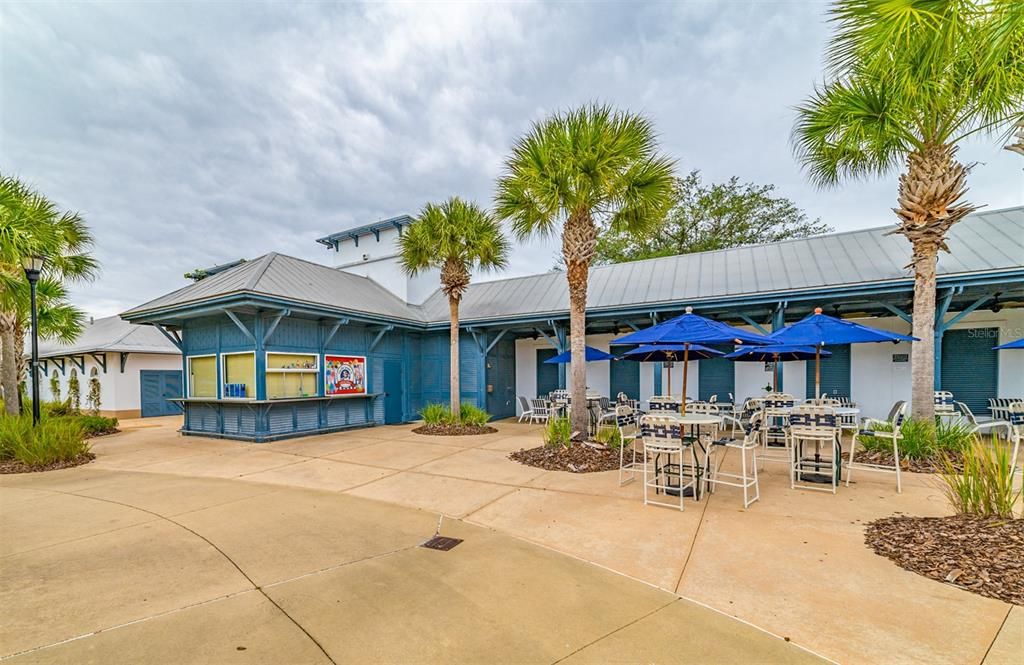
{"points": [[378, 259], [118, 392]]}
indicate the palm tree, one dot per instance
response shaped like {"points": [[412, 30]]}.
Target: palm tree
{"points": [[571, 172], [909, 82], [31, 224], [457, 237]]}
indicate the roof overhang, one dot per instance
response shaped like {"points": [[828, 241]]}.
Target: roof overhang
{"points": [[332, 241]]}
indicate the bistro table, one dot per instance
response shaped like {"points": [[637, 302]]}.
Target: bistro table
{"points": [[694, 421]]}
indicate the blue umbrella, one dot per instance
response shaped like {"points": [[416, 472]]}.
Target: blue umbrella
{"points": [[819, 330], [591, 354], [690, 329], [650, 353], [775, 353], [1018, 344]]}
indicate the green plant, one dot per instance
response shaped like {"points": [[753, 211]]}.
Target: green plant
{"points": [[436, 414], [909, 82], [456, 237], [985, 488], [609, 436], [922, 439], [55, 386], [574, 173], [93, 425], [62, 408], [558, 432], [473, 415], [53, 440], [74, 392], [92, 398]]}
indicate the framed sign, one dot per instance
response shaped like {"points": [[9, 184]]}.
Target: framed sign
{"points": [[344, 375]]}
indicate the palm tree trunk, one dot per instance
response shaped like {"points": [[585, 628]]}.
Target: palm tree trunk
{"points": [[453, 313], [579, 240], [8, 364], [929, 192]]}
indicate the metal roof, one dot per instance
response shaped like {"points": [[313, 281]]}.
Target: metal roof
{"points": [[279, 276], [983, 242], [365, 229], [110, 334]]}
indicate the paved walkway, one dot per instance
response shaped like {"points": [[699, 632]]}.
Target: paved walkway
{"points": [[337, 574]]}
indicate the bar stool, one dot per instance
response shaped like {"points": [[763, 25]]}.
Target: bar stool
{"points": [[629, 434], [869, 427], [661, 436], [747, 478], [817, 424]]}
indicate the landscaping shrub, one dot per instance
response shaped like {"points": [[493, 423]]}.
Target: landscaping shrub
{"points": [[985, 488], [609, 436], [558, 432], [58, 408], [53, 440], [436, 414], [472, 415], [95, 425], [923, 439]]}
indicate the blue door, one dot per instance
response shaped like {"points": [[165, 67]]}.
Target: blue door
{"points": [[970, 368], [624, 378], [501, 379], [393, 392], [716, 376], [157, 387], [547, 375]]}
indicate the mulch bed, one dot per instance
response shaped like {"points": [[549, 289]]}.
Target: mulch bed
{"points": [[577, 458], [14, 466], [927, 465], [983, 555], [453, 430]]}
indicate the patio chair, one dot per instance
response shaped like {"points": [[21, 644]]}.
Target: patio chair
{"points": [[817, 425], [525, 408], [774, 438], [1015, 416], [980, 425], [663, 403], [661, 436], [868, 427], [944, 403], [539, 411], [747, 477], [626, 420]]}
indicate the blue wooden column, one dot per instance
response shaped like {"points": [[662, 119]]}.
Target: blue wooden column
{"points": [[778, 323], [560, 337], [658, 367]]}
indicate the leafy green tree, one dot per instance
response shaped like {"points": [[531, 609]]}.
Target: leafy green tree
{"points": [[31, 224], [706, 217], [456, 237], [910, 81], [575, 173]]}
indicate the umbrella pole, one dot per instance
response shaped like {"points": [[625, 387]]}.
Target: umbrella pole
{"points": [[817, 371], [686, 366], [775, 374]]}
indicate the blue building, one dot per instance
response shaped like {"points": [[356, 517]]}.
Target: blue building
{"points": [[278, 346]]}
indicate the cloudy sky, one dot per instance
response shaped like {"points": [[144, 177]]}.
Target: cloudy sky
{"points": [[192, 134]]}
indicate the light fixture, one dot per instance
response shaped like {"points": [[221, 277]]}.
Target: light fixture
{"points": [[33, 265]]}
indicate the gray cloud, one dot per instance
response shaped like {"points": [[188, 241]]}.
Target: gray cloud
{"points": [[191, 134]]}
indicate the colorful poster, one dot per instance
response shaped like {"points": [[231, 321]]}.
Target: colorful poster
{"points": [[344, 375]]}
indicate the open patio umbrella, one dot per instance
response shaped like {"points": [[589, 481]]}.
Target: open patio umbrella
{"points": [[690, 329], [591, 354], [775, 353], [820, 330], [1016, 344], [653, 353]]}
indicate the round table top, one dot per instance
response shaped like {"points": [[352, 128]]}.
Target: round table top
{"points": [[838, 410], [690, 418]]}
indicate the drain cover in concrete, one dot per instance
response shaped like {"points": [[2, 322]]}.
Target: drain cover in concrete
{"points": [[442, 543]]}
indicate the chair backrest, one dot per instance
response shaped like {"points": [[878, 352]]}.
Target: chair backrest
{"points": [[713, 399], [626, 421], [966, 412], [660, 431], [751, 429], [813, 421], [779, 401], [751, 406], [702, 407], [1015, 414], [621, 398], [539, 406], [897, 414], [559, 395], [664, 403], [943, 400], [824, 401], [605, 403], [524, 403]]}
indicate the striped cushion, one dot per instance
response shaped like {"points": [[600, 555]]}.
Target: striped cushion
{"points": [[660, 431], [778, 403], [665, 406], [812, 420]]}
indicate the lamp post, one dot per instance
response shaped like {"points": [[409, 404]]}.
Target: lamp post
{"points": [[33, 266]]}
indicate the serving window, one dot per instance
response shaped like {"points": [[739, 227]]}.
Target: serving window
{"points": [[202, 376], [292, 375], [239, 375]]}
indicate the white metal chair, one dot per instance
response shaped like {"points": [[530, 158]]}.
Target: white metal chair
{"points": [[663, 403], [945, 405], [982, 425], [525, 408], [892, 432], [626, 420], [775, 442], [746, 479], [661, 436], [817, 425], [1015, 416], [539, 411]]}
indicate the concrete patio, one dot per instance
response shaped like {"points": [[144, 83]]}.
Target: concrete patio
{"points": [[339, 517]]}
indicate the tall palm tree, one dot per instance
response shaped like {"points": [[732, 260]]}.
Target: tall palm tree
{"points": [[571, 172], [457, 237], [31, 224], [908, 82]]}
